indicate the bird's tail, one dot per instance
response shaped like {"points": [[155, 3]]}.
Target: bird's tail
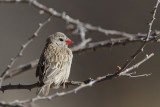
{"points": [[44, 90]]}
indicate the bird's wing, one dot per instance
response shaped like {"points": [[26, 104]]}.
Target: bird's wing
{"points": [[52, 62], [41, 66], [59, 68]]}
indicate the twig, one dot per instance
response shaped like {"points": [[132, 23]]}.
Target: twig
{"points": [[153, 18], [13, 60], [126, 72]]}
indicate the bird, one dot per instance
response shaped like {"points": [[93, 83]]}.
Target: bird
{"points": [[54, 64]]}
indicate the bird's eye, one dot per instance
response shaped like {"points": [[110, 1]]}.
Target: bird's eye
{"points": [[60, 39]]}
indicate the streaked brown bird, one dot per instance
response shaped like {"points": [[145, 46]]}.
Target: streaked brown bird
{"points": [[55, 62]]}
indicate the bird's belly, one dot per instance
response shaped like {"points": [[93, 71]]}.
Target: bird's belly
{"points": [[61, 78]]}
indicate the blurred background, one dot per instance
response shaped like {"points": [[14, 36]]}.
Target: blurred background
{"points": [[19, 21]]}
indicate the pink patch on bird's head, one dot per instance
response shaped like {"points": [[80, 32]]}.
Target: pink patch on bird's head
{"points": [[68, 41]]}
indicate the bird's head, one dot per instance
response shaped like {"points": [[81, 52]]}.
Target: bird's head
{"points": [[59, 39]]}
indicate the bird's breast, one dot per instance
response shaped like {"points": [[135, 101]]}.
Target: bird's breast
{"points": [[56, 53]]}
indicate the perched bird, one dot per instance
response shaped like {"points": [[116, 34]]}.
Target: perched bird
{"points": [[55, 62]]}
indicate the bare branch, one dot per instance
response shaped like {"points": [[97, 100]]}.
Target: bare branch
{"points": [[136, 66], [78, 24], [153, 18], [19, 86], [84, 84], [4, 104], [77, 83], [110, 43], [34, 85], [22, 68]]}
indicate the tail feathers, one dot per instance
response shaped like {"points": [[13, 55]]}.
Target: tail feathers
{"points": [[44, 90]]}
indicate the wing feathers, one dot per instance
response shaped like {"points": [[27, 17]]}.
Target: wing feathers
{"points": [[54, 66]]}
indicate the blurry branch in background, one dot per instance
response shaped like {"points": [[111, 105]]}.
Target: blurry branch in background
{"points": [[87, 83], [73, 24], [85, 45], [23, 47], [22, 68]]}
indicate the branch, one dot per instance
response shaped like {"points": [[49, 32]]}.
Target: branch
{"points": [[112, 42], [19, 86], [22, 68], [37, 85], [84, 84], [126, 72], [77, 83], [153, 18], [63, 16]]}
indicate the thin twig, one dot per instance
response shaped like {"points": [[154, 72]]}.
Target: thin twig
{"points": [[126, 72], [153, 18]]}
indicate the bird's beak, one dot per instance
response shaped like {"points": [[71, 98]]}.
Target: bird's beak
{"points": [[68, 41]]}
